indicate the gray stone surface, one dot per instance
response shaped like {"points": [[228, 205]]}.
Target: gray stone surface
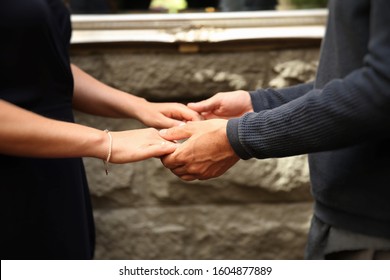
{"points": [[259, 209], [247, 231], [173, 76]]}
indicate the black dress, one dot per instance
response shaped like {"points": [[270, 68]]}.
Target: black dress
{"points": [[45, 205]]}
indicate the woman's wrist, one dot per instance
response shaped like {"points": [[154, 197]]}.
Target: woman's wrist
{"points": [[137, 107], [98, 145]]}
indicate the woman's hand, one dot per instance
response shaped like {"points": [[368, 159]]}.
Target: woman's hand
{"points": [[138, 144], [164, 115], [24, 133]]}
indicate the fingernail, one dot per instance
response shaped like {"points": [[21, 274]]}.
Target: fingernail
{"points": [[163, 131], [181, 124]]}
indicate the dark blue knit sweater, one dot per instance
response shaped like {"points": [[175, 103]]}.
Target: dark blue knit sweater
{"points": [[342, 120]]}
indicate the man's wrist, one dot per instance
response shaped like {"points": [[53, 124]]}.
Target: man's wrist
{"points": [[232, 133]]}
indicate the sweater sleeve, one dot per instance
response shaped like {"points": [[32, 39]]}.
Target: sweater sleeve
{"points": [[264, 99], [344, 112]]}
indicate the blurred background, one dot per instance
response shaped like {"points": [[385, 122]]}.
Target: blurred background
{"points": [[174, 6]]}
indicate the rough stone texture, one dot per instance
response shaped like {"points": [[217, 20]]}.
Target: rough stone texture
{"points": [[148, 183], [293, 72], [256, 210], [242, 231], [173, 76]]}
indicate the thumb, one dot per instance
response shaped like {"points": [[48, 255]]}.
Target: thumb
{"points": [[175, 133], [161, 149], [207, 105], [166, 122]]}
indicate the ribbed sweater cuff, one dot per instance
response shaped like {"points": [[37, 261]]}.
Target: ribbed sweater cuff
{"points": [[257, 100], [234, 139]]}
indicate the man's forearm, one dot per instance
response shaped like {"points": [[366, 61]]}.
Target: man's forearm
{"points": [[265, 99]]}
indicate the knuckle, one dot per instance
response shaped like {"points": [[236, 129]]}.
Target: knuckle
{"points": [[171, 131], [192, 169], [167, 163]]}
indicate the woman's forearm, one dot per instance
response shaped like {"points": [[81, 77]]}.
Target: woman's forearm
{"points": [[94, 97], [23, 133]]}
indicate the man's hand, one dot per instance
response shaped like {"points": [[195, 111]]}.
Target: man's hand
{"points": [[224, 105], [205, 154]]}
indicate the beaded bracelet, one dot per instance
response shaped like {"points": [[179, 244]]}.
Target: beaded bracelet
{"points": [[107, 161]]}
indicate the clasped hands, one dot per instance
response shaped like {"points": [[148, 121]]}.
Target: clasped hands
{"points": [[206, 152]]}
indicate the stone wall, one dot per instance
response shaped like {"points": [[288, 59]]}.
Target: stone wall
{"points": [[259, 209]]}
